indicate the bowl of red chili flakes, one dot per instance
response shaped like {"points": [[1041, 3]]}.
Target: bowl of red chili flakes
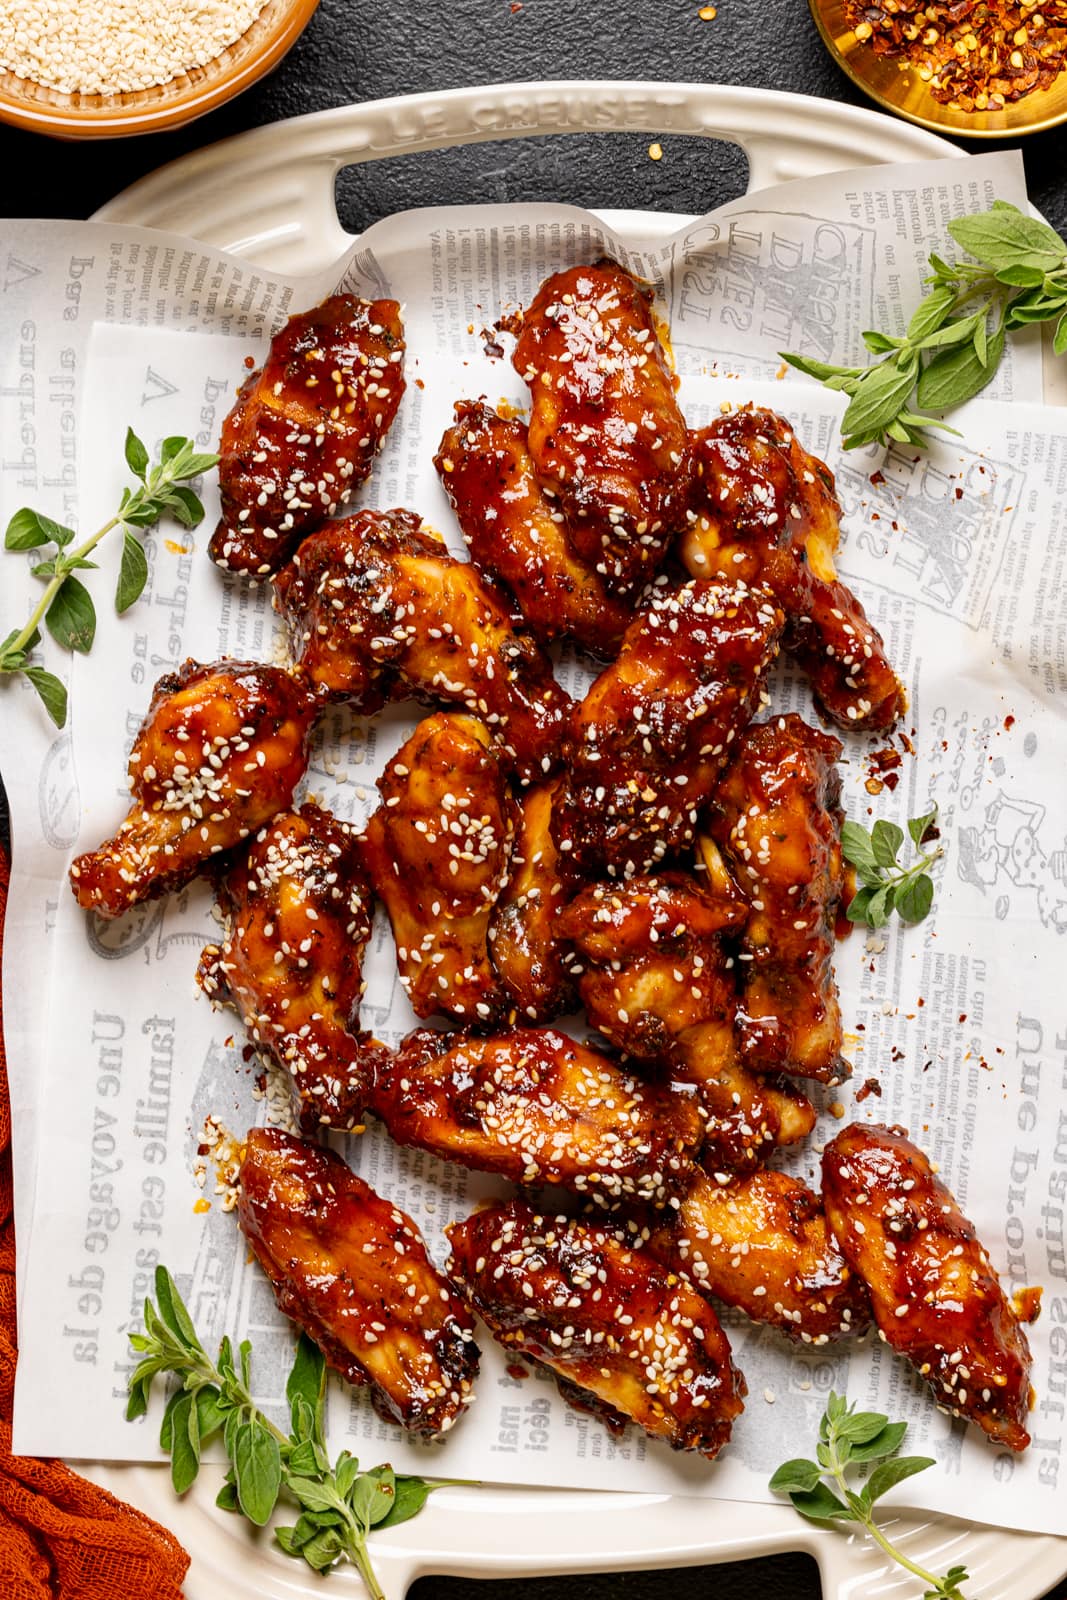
{"points": [[981, 69]]}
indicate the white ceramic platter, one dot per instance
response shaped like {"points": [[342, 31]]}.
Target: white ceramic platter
{"points": [[268, 195]]}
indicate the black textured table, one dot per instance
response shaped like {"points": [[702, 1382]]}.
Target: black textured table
{"points": [[364, 49]]}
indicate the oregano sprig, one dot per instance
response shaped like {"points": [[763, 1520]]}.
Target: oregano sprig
{"points": [[956, 338], [66, 607], [849, 1438], [338, 1505], [886, 886]]}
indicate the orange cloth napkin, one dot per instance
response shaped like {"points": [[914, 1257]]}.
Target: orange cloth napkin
{"points": [[62, 1538]]}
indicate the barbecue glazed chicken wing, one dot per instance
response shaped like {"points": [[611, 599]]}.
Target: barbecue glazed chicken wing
{"points": [[655, 981], [606, 435], [518, 535], [305, 429], [777, 819], [761, 1243], [625, 1337], [353, 1272], [765, 510], [523, 930], [299, 907], [219, 753], [648, 742], [377, 610], [536, 1107], [437, 852], [936, 1298]]}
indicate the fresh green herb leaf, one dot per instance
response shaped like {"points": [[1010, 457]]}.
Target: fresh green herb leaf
{"points": [[133, 574], [52, 692], [886, 840], [883, 1443], [886, 886], [185, 1444], [799, 1475], [913, 900], [136, 455], [71, 618], [821, 1505], [1002, 238], [956, 375], [257, 1463], [409, 1497], [226, 1499], [307, 1382], [28, 529], [172, 1309], [890, 1473], [846, 1437]]}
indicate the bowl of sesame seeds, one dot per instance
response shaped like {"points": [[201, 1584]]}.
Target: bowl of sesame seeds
{"points": [[106, 68], [979, 69]]}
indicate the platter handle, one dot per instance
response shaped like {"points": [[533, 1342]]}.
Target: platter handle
{"points": [[269, 194]]}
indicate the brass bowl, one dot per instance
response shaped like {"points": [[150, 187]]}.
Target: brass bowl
{"points": [[897, 87], [108, 116]]}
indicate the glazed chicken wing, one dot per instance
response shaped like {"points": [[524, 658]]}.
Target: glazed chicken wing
{"points": [[437, 852], [761, 1243], [654, 980], [937, 1300], [299, 905], [777, 819], [377, 609], [651, 737], [523, 930], [606, 434], [518, 535], [625, 1337], [765, 510], [353, 1272], [536, 1107], [305, 428], [219, 753]]}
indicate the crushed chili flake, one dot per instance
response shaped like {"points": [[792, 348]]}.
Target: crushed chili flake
{"points": [[973, 55]]}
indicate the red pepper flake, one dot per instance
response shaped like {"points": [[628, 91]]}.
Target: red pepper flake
{"points": [[1009, 723], [972, 55]]}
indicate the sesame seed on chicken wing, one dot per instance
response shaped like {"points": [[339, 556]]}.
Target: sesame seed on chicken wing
{"points": [[299, 907], [761, 1242], [305, 429], [936, 1297], [776, 817], [648, 742], [219, 753], [517, 534], [352, 1270], [624, 1336], [606, 435], [535, 1107], [655, 980], [437, 852], [377, 610], [765, 510]]}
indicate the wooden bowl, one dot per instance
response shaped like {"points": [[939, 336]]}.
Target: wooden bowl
{"points": [[897, 87], [109, 116]]}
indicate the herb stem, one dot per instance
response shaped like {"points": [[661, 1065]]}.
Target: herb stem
{"points": [[356, 1551], [872, 1529], [56, 583]]}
